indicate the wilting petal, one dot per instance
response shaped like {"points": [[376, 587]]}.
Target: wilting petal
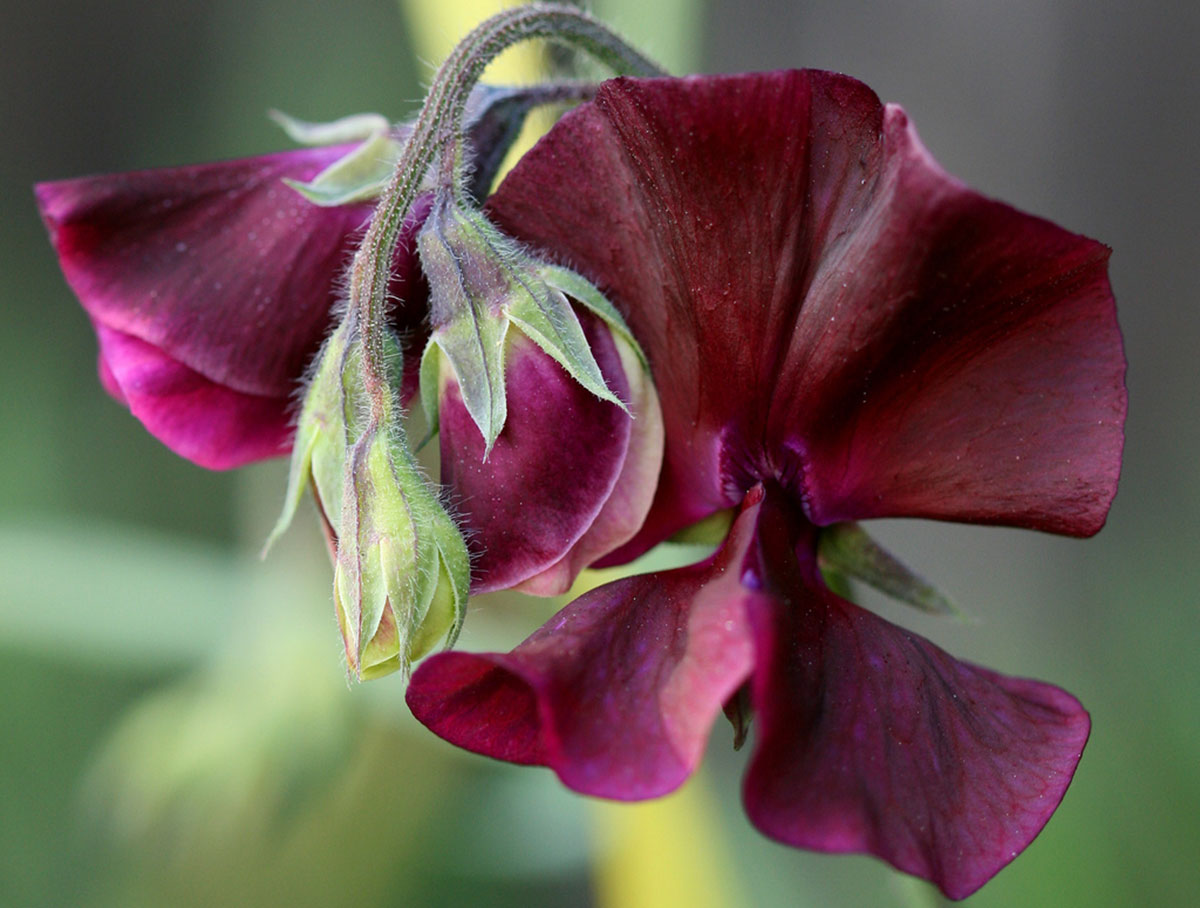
{"points": [[871, 739], [208, 424], [550, 471], [224, 270], [618, 692], [830, 310]]}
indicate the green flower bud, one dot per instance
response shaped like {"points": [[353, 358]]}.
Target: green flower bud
{"points": [[401, 571], [400, 583]]}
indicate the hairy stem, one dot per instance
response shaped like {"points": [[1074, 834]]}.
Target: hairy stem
{"points": [[439, 129]]}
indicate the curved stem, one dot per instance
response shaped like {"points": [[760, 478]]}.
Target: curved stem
{"points": [[438, 128]]}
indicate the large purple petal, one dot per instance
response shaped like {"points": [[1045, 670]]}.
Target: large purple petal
{"points": [[871, 739], [550, 471], [868, 738], [618, 692], [226, 272], [824, 307]]}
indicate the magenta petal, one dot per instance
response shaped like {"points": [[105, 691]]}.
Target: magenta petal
{"points": [[828, 309], [871, 739], [221, 266], [550, 471], [224, 271], [208, 424], [618, 692]]}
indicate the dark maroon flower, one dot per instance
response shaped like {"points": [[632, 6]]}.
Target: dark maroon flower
{"points": [[838, 330]]}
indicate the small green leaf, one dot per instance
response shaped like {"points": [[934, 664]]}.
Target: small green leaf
{"points": [[848, 550], [353, 128], [320, 416], [357, 177], [465, 294], [431, 388], [473, 343], [456, 563]]}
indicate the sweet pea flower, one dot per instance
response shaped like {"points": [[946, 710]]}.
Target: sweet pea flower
{"points": [[838, 330], [529, 369]]}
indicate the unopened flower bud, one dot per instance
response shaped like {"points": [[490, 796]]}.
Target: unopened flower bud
{"points": [[401, 571], [551, 435]]}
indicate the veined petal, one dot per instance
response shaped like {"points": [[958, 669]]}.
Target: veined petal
{"points": [[828, 309], [980, 379], [618, 692], [626, 507], [871, 739], [868, 738], [221, 266]]}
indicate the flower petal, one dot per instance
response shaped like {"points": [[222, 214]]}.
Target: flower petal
{"points": [[828, 309], [618, 692], [221, 266], [550, 471], [988, 387], [871, 739], [626, 507], [224, 270], [208, 424]]}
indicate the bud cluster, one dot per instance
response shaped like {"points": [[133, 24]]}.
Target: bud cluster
{"points": [[401, 569], [501, 328]]}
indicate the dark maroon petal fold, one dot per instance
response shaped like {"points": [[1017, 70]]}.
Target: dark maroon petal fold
{"points": [[224, 271], [871, 739], [825, 308], [550, 471], [617, 693]]}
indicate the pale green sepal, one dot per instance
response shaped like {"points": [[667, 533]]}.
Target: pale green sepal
{"points": [[357, 177], [383, 531], [352, 128], [320, 419], [544, 314], [473, 343], [580, 288], [456, 562], [465, 297], [298, 474], [431, 387], [847, 549]]}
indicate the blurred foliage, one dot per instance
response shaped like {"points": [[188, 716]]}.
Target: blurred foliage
{"points": [[177, 730]]}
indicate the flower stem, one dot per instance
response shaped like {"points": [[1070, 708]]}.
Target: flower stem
{"points": [[439, 128]]}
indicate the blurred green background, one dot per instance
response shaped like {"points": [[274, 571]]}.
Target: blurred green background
{"points": [[176, 729]]}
